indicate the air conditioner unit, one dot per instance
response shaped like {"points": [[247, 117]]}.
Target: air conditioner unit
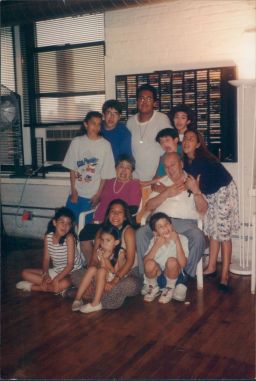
{"points": [[57, 141]]}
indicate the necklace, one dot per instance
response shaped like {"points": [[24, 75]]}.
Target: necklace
{"points": [[116, 191], [142, 132]]}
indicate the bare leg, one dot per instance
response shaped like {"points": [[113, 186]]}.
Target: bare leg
{"points": [[63, 284], [33, 275], [85, 282], [172, 268], [214, 252], [100, 284], [226, 251], [152, 269], [87, 249]]}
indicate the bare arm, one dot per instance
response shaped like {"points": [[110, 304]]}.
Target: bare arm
{"points": [[94, 258], [171, 191], [46, 257], [74, 194], [46, 260], [158, 242], [193, 185], [96, 198], [70, 258], [129, 238]]}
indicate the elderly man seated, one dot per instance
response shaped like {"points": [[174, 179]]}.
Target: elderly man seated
{"points": [[178, 195]]}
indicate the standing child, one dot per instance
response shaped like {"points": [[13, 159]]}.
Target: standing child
{"points": [[110, 258], [60, 249], [182, 119], [221, 218], [165, 254], [91, 162]]}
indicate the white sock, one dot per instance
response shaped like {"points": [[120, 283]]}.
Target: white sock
{"points": [[170, 282], [152, 281], [24, 285]]}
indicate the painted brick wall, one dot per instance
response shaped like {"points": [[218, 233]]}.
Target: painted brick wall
{"points": [[180, 34]]}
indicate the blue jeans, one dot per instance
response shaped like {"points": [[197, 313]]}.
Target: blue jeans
{"points": [[82, 205], [196, 243]]}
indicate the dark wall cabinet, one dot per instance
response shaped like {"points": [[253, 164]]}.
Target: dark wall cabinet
{"points": [[206, 91]]}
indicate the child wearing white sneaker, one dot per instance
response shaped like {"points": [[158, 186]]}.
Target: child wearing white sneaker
{"points": [[110, 258], [164, 255], [60, 249]]}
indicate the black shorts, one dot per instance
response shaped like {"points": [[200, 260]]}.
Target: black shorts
{"points": [[88, 233]]}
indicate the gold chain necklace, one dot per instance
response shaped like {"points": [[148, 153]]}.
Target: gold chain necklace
{"points": [[114, 187], [142, 134]]}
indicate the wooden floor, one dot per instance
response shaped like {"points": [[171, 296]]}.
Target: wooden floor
{"points": [[213, 337]]}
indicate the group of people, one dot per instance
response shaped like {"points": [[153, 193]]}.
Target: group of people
{"points": [[110, 164]]}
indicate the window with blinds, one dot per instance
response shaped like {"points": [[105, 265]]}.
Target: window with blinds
{"points": [[69, 69], [7, 59]]}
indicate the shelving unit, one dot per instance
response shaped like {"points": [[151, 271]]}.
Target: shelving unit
{"points": [[206, 91]]}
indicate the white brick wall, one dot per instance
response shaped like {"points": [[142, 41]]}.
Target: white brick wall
{"points": [[178, 35]]}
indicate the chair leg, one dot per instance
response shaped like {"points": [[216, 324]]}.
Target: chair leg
{"points": [[199, 275], [253, 276]]}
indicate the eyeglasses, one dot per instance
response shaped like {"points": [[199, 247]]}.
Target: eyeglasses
{"points": [[145, 99]]}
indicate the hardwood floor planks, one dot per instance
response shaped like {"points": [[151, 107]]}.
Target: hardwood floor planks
{"points": [[212, 337]]}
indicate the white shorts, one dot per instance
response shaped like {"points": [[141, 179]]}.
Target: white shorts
{"points": [[52, 273]]}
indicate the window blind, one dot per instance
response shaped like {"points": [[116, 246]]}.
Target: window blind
{"points": [[7, 59], [69, 68]]}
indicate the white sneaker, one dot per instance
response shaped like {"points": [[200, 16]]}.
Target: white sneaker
{"points": [[76, 305], [24, 285], [180, 292], [87, 308], [153, 292], [145, 289], [166, 295]]}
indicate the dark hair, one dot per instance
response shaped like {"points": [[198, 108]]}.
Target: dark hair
{"points": [[88, 116], [147, 87], [128, 217], [112, 103], [110, 229], [187, 110], [172, 132], [202, 151], [156, 217], [130, 159], [62, 212]]}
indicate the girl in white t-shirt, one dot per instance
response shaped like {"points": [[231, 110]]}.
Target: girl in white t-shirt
{"points": [[90, 161]]}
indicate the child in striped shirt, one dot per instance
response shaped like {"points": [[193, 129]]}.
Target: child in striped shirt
{"points": [[59, 249]]}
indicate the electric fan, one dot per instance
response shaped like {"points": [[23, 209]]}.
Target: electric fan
{"points": [[11, 150]]}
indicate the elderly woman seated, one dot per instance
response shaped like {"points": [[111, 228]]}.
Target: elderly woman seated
{"points": [[124, 187]]}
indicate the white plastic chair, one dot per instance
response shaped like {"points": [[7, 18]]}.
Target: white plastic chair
{"points": [[81, 220]]}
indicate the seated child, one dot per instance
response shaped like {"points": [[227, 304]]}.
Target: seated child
{"points": [[110, 258], [60, 250], [165, 254]]}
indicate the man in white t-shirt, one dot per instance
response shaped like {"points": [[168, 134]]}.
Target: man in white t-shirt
{"points": [[144, 126], [178, 195]]}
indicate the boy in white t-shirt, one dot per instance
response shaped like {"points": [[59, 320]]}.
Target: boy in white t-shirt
{"points": [[91, 162], [166, 255]]}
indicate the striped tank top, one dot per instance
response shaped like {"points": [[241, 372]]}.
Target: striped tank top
{"points": [[58, 255]]}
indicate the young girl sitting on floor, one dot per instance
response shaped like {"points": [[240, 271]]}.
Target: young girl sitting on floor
{"points": [[110, 258], [221, 219], [60, 248]]}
